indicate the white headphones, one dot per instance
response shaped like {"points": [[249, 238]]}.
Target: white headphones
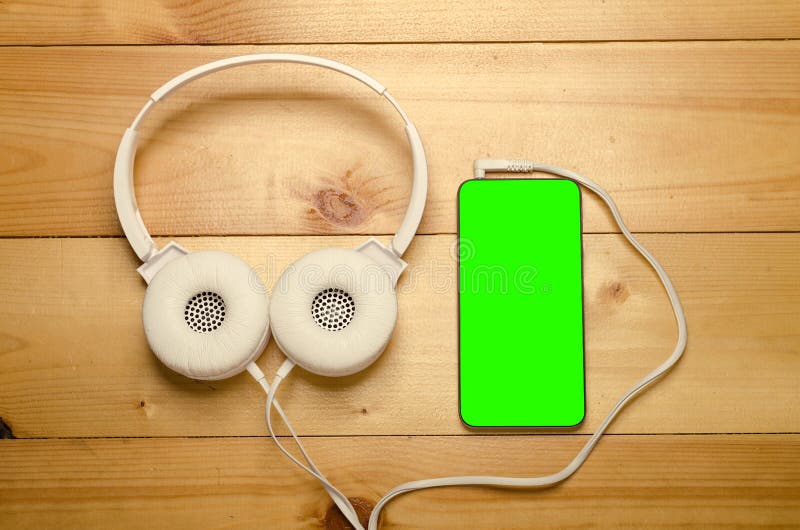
{"points": [[206, 313], [207, 316]]}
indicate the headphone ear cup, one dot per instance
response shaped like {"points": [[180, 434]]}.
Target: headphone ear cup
{"points": [[333, 311], [206, 315]]}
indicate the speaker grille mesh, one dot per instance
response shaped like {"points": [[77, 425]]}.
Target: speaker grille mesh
{"points": [[204, 312], [333, 309]]}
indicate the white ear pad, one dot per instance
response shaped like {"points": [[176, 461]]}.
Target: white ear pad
{"points": [[206, 315], [333, 311]]}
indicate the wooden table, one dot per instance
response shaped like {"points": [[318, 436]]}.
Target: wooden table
{"points": [[689, 113]]}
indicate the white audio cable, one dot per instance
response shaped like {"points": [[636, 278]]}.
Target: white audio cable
{"points": [[527, 166], [337, 496]]}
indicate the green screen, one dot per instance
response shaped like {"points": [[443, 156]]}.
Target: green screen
{"points": [[520, 303]]}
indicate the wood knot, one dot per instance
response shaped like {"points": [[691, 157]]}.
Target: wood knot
{"points": [[338, 207], [145, 407], [615, 292], [334, 520], [6, 433]]}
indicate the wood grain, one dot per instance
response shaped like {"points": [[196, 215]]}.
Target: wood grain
{"points": [[700, 136], [689, 130], [293, 21], [74, 360], [660, 481]]}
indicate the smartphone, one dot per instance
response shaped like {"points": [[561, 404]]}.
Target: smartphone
{"points": [[520, 283]]}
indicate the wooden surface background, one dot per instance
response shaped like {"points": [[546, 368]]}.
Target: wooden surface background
{"points": [[688, 112]]}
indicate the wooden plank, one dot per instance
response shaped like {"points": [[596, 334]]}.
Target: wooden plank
{"points": [[700, 136], [662, 481], [74, 360], [293, 21]]}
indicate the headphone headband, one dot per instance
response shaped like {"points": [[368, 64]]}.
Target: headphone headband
{"points": [[125, 199]]}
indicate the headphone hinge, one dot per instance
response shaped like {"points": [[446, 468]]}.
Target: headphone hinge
{"points": [[156, 262], [384, 257]]}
